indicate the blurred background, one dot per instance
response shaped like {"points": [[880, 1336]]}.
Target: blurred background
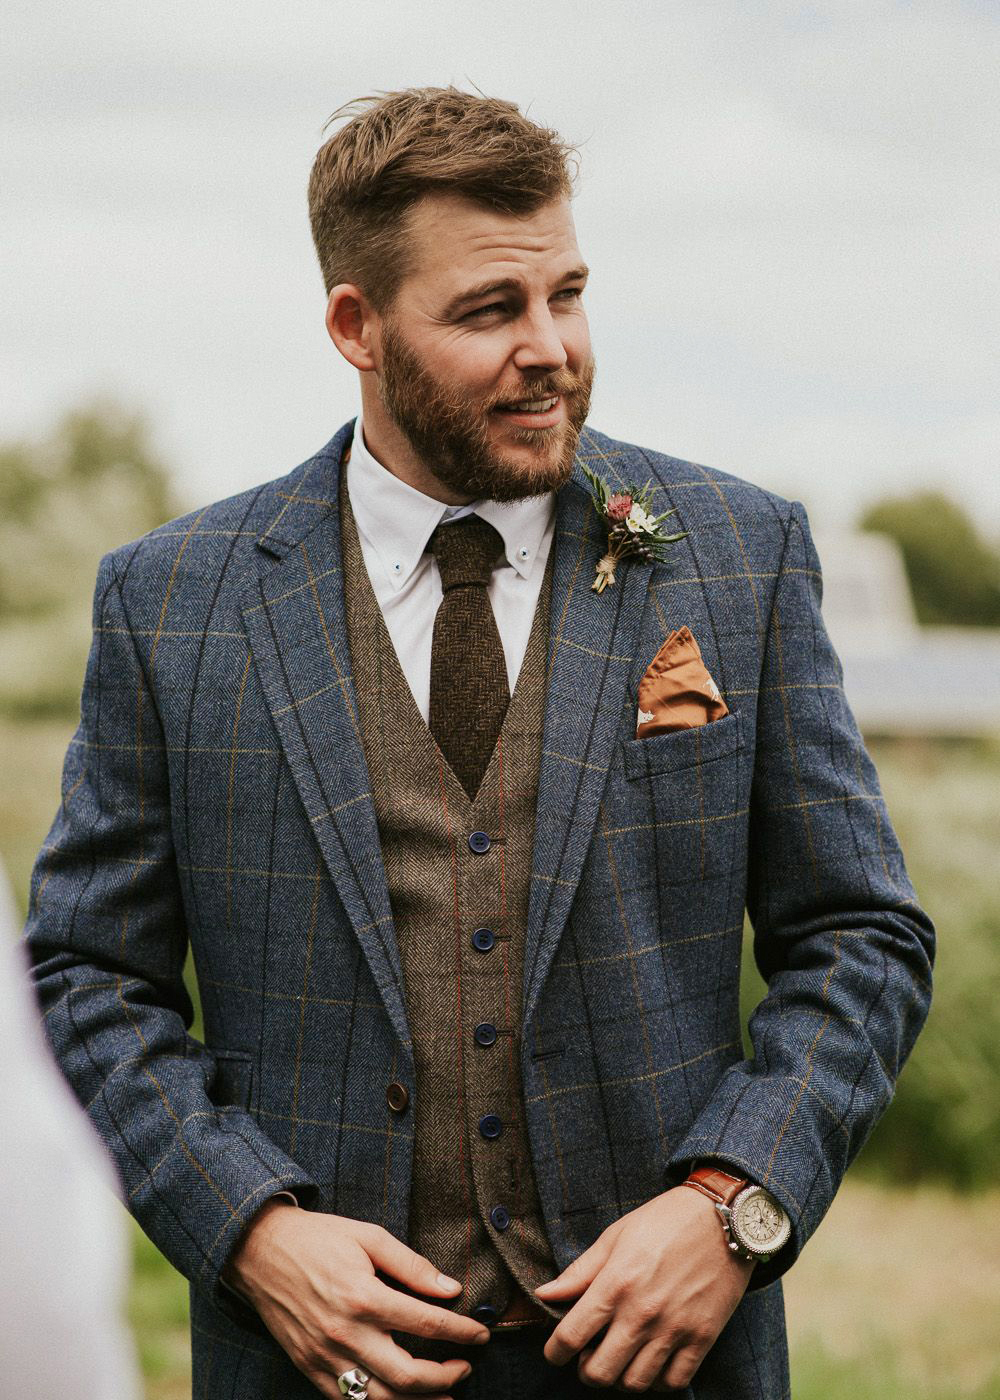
{"points": [[790, 214]]}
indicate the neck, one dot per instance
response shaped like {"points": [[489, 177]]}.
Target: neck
{"points": [[393, 451]]}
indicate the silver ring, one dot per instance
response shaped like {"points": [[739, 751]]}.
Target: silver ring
{"points": [[354, 1384]]}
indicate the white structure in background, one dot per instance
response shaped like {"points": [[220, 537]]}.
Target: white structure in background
{"points": [[902, 678], [63, 1244]]}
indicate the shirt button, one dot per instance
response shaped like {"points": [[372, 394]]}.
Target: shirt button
{"points": [[483, 940], [490, 1125], [485, 1313], [485, 1033], [479, 842], [500, 1217], [397, 1096]]}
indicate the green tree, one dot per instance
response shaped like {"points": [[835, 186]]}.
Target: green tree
{"points": [[93, 483], [954, 572]]}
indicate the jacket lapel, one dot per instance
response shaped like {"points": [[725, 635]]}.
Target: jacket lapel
{"points": [[295, 620], [592, 642]]}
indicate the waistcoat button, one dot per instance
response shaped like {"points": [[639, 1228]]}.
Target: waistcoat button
{"points": [[500, 1218], [485, 1033], [485, 1313], [490, 1125], [479, 842], [397, 1096], [483, 940]]}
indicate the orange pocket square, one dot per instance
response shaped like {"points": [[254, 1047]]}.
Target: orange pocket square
{"points": [[677, 692]]}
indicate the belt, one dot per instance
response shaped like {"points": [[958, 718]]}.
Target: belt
{"points": [[521, 1308]]}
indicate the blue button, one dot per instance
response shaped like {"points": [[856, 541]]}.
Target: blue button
{"points": [[490, 1125], [483, 940], [485, 1313], [479, 842], [500, 1217], [485, 1033]]}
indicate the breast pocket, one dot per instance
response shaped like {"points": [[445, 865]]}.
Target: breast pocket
{"points": [[683, 748]]}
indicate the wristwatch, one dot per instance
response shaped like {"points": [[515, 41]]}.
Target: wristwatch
{"points": [[756, 1226]]}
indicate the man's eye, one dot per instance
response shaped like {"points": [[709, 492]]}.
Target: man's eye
{"points": [[485, 310], [571, 292]]}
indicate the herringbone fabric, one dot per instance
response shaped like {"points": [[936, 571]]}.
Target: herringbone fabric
{"points": [[469, 690], [442, 891], [216, 798]]}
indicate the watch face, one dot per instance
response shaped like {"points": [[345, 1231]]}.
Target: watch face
{"points": [[758, 1222]]}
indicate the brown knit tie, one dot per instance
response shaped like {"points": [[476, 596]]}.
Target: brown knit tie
{"points": [[469, 692]]}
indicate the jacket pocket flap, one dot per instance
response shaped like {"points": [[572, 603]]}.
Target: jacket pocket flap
{"points": [[682, 748]]}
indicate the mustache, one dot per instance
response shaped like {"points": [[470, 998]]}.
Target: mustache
{"points": [[565, 384]]}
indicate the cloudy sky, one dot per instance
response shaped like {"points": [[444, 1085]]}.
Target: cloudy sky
{"points": [[790, 211]]}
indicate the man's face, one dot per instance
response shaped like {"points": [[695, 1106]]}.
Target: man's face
{"points": [[489, 317]]}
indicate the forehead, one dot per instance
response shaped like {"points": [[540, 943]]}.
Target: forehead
{"points": [[454, 241]]}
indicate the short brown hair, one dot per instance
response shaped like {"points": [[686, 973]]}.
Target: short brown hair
{"points": [[399, 146]]}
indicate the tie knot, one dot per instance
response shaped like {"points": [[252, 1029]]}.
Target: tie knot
{"points": [[466, 551]]}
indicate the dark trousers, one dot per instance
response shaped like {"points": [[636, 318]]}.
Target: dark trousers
{"points": [[511, 1365]]}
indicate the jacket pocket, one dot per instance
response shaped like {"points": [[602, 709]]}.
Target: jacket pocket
{"points": [[233, 1079], [682, 748]]}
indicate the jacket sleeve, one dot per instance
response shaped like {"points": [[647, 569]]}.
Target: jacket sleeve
{"points": [[843, 945], [106, 934]]}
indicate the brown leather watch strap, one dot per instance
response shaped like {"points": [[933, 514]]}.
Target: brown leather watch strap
{"points": [[716, 1184]]}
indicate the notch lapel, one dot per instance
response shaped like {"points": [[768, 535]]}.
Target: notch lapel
{"points": [[295, 621], [592, 642]]}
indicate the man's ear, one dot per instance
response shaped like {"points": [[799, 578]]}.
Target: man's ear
{"points": [[352, 325]]}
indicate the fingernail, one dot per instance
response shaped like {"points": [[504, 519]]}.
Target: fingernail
{"points": [[445, 1282]]}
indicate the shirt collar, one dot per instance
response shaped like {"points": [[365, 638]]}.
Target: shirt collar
{"points": [[397, 520]]}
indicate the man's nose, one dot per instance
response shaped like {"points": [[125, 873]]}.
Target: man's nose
{"points": [[540, 346]]}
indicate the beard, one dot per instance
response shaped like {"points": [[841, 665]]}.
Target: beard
{"points": [[450, 430]]}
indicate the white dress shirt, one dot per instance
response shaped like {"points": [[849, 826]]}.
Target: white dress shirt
{"points": [[395, 521]]}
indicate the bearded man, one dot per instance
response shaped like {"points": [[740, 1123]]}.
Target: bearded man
{"points": [[459, 807]]}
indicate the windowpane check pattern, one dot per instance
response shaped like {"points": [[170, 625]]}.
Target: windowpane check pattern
{"points": [[216, 796]]}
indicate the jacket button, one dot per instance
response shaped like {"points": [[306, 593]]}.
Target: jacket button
{"points": [[485, 1313], [500, 1217], [483, 940], [490, 1125], [397, 1096], [485, 1033], [479, 842]]}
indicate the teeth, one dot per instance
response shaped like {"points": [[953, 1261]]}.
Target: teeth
{"points": [[534, 406]]}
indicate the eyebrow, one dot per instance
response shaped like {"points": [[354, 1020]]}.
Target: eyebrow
{"points": [[505, 284]]}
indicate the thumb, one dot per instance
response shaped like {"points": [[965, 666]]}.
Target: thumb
{"points": [[404, 1264], [580, 1274]]}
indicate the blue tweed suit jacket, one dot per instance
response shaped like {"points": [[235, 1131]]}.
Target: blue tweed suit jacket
{"points": [[216, 795]]}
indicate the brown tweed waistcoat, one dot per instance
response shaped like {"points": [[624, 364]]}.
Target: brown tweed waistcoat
{"points": [[441, 892]]}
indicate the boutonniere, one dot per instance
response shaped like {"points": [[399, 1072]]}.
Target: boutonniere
{"points": [[632, 531]]}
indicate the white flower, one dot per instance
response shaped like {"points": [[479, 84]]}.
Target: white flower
{"points": [[637, 520]]}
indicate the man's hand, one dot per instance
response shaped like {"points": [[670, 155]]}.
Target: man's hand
{"points": [[312, 1279], [663, 1281]]}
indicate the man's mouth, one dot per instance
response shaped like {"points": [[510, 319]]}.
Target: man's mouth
{"points": [[543, 411]]}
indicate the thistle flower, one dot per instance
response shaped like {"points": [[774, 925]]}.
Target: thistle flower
{"points": [[633, 531]]}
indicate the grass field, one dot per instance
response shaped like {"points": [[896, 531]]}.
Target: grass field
{"points": [[898, 1294]]}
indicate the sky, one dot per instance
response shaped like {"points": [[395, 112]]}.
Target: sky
{"points": [[790, 212]]}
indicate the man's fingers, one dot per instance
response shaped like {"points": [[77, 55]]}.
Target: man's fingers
{"points": [[581, 1273], [399, 1312], [396, 1372], [377, 1390], [402, 1263], [583, 1320], [618, 1354], [647, 1366], [682, 1365]]}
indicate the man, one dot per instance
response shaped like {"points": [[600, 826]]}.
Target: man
{"points": [[467, 941]]}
